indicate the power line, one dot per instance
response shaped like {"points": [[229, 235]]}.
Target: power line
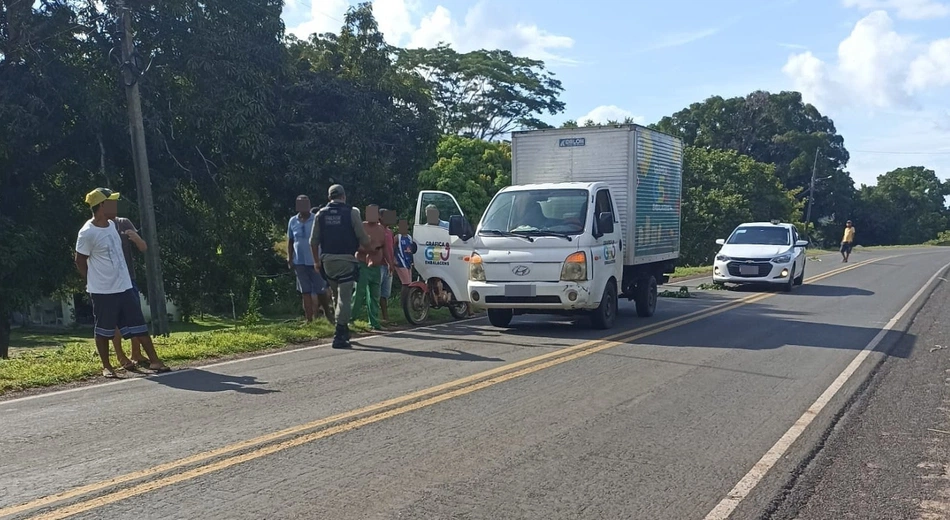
{"points": [[898, 153]]}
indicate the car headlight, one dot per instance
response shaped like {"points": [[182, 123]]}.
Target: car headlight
{"points": [[476, 271], [575, 268], [784, 259], [722, 258]]}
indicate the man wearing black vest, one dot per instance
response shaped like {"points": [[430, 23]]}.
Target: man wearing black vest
{"points": [[336, 237]]}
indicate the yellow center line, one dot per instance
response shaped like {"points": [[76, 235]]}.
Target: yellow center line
{"points": [[471, 384]]}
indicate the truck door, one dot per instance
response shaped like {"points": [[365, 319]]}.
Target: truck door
{"points": [[607, 253], [440, 255]]}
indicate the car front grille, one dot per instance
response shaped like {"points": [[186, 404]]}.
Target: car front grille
{"points": [[764, 268]]}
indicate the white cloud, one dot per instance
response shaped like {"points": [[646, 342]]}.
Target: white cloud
{"points": [[876, 67], [480, 28], [932, 69], [604, 113], [684, 38], [907, 9]]}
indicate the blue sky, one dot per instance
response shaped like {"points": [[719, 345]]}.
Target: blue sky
{"points": [[879, 68]]}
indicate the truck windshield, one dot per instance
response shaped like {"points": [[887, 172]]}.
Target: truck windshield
{"points": [[536, 212], [761, 235]]}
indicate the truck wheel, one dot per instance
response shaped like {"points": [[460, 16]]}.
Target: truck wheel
{"points": [[605, 314], [500, 318], [645, 297]]}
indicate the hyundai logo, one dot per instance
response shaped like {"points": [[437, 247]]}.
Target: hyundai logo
{"points": [[521, 270]]}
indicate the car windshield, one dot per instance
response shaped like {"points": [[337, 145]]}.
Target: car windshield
{"points": [[537, 212], [761, 235]]}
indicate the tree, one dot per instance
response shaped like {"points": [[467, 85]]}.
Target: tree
{"points": [[353, 116], [485, 94], [907, 206], [777, 129], [590, 123], [722, 189], [473, 170]]}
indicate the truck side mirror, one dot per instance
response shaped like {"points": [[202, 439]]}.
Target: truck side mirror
{"points": [[605, 224], [460, 227]]}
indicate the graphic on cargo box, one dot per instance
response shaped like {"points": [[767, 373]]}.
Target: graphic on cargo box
{"points": [[437, 253], [658, 194]]}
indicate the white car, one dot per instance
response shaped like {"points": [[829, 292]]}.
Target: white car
{"points": [[762, 253]]}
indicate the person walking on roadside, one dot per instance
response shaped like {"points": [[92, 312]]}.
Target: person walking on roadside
{"points": [[101, 264], [337, 236], [310, 284], [387, 218], [847, 242], [129, 235], [371, 259]]}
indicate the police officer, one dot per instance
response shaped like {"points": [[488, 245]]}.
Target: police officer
{"points": [[338, 234]]}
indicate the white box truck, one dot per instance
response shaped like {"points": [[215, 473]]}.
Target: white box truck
{"points": [[593, 214]]}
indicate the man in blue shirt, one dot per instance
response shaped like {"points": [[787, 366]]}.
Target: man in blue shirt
{"points": [[312, 286]]}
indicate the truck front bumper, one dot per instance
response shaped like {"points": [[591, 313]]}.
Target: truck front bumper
{"points": [[531, 295]]}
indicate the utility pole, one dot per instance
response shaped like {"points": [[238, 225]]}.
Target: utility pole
{"points": [[811, 196], [143, 183]]}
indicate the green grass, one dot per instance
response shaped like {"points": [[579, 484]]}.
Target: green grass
{"points": [[689, 272], [47, 358]]}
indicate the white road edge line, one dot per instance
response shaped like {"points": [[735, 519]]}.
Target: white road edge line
{"points": [[728, 505], [228, 362]]}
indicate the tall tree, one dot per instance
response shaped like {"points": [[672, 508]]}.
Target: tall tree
{"points": [[471, 169], [722, 189], [907, 206], [353, 116], [778, 129], [485, 94]]}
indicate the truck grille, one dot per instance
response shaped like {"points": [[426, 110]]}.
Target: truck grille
{"points": [[764, 268]]}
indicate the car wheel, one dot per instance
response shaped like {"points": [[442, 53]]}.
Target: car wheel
{"points": [[801, 278], [788, 286]]}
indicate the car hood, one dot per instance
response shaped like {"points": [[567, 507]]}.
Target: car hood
{"points": [[753, 250]]}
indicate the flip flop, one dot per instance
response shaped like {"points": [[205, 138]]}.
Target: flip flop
{"points": [[161, 370], [109, 374], [131, 367]]}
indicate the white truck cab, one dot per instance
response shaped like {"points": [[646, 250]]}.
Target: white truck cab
{"points": [[546, 248]]}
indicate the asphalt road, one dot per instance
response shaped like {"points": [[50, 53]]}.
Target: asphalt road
{"points": [[547, 420]]}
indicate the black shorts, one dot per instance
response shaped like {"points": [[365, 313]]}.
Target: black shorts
{"points": [[121, 311], [846, 248]]}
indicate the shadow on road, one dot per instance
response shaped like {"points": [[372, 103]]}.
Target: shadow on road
{"points": [[447, 354], [762, 327], [197, 380]]}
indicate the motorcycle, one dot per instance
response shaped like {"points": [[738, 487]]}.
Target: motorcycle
{"points": [[420, 296]]}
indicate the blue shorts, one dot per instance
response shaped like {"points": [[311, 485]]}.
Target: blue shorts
{"points": [[309, 280], [135, 287], [385, 282]]}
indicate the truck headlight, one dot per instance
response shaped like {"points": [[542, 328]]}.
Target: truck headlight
{"points": [[476, 271], [575, 268], [784, 259]]}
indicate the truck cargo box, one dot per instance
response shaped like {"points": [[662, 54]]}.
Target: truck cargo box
{"points": [[643, 167]]}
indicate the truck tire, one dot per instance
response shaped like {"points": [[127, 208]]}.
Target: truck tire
{"points": [[645, 297], [604, 316], [500, 318]]}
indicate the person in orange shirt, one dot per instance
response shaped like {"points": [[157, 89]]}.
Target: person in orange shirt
{"points": [[847, 242]]}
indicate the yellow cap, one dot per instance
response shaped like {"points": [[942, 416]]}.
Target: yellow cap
{"points": [[100, 195]]}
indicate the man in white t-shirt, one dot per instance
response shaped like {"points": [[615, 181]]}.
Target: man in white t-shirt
{"points": [[101, 262]]}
